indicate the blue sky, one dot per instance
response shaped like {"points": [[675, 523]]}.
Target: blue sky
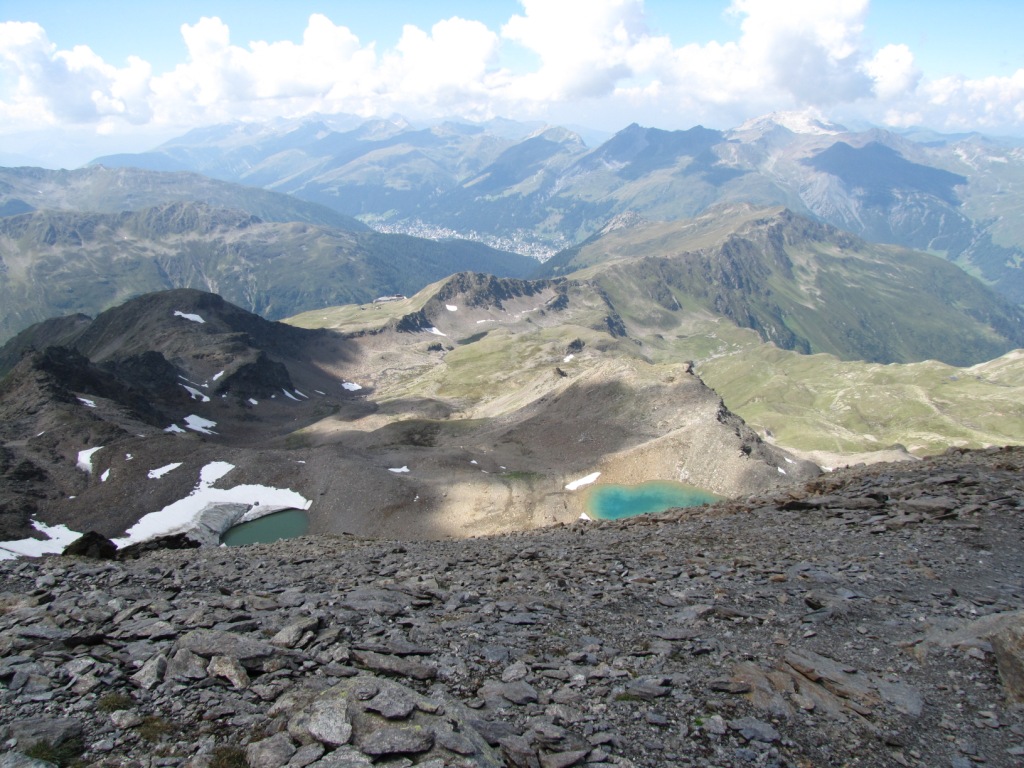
{"points": [[128, 74]]}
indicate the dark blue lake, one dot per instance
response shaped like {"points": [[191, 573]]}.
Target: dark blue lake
{"points": [[614, 502], [286, 524]]}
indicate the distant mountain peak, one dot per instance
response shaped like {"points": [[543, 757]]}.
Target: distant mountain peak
{"points": [[558, 134], [808, 122]]}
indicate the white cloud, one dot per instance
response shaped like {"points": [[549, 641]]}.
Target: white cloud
{"points": [[451, 69], [590, 61], [893, 72], [48, 86], [585, 46], [994, 103]]}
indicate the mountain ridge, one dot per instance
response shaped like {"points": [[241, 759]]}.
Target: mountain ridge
{"points": [[799, 283], [953, 196], [65, 262]]}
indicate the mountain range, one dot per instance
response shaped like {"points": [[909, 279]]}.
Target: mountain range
{"points": [[954, 196], [475, 406]]}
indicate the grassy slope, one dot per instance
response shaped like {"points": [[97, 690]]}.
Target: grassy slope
{"points": [[821, 403]]}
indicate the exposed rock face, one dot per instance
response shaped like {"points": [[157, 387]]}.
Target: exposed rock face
{"points": [[865, 618]]}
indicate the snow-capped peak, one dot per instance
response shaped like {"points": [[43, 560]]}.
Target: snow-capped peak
{"points": [[808, 121]]}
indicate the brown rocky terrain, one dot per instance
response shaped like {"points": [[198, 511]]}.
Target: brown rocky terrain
{"points": [[870, 617], [488, 397]]}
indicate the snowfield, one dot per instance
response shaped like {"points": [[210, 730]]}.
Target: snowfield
{"points": [[199, 424], [196, 394], [85, 459], [59, 536], [159, 472], [180, 516], [575, 484]]}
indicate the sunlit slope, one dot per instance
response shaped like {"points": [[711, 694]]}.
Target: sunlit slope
{"points": [[803, 285], [821, 403]]}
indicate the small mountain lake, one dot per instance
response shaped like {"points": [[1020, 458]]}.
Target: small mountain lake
{"points": [[614, 502], [286, 524]]}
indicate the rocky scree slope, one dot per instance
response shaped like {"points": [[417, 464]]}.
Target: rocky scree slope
{"points": [[872, 617], [71, 384]]}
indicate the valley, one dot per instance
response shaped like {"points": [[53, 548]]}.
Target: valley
{"points": [[693, 330]]}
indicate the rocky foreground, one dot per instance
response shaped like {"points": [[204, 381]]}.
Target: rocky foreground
{"points": [[873, 617]]}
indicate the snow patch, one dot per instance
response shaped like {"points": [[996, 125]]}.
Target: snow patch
{"points": [[174, 428], [781, 470], [217, 375], [398, 470], [253, 402], [351, 386], [86, 402], [196, 394], [85, 459], [105, 475], [155, 474], [181, 516], [289, 395], [435, 331], [58, 537], [451, 307], [567, 358], [187, 316], [583, 481], [199, 424], [808, 122], [213, 472]]}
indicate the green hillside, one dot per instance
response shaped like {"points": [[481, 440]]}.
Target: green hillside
{"points": [[59, 263], [802, 285], [821, 403]]}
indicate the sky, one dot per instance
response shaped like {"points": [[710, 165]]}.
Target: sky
{"points": [[78, 80]]}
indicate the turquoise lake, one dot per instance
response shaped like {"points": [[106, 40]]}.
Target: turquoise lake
{"points": [[614, 502], [286, 524]]}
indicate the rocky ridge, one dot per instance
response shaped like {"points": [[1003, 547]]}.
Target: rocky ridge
{"points": [[870, 617]]}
